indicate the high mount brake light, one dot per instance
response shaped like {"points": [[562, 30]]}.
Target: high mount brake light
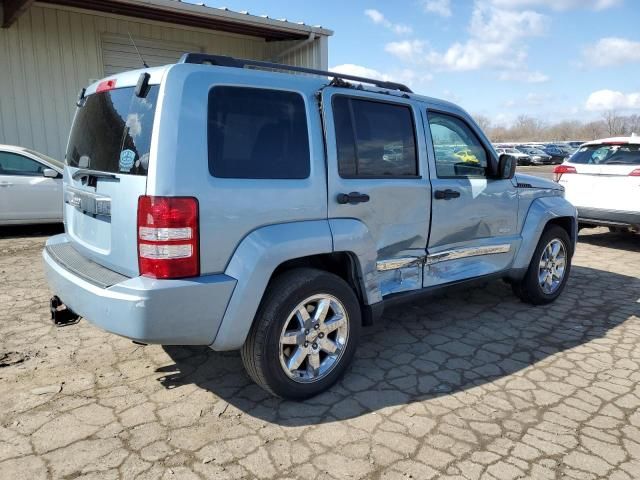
{"points": [[106, 85], [561, 170], [168, 237]]}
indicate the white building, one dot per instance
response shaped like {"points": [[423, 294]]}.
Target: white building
{"points": [[50, 49]]}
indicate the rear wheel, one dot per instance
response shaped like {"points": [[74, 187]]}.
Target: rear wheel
{"points": [[304, 335], [549, 269]]}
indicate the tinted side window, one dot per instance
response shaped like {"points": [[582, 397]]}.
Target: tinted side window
{"points": [[12, 164], [458, 151], [257, 133], [374, 139]]}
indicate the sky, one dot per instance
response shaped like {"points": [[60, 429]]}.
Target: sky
{"points": [[551, 59]]}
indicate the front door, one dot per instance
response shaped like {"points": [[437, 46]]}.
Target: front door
{"points": [[377, 174], [25, 193], [474, 218]]}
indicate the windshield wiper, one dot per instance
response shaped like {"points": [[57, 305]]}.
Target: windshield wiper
{"points": [[83, 172]]}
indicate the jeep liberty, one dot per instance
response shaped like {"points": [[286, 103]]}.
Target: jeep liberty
{"points": [[220, 202]]}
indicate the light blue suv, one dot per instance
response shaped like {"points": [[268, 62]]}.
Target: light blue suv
{"points": [[213, 202]]}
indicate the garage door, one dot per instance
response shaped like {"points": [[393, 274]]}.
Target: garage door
{"points": [[119, 54]]}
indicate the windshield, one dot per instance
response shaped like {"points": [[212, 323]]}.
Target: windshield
{"points": [[608, 155], [112, 132], [46, 158], [511, 150]]}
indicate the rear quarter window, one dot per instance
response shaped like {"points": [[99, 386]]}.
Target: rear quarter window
{"points": [[257, 133]]}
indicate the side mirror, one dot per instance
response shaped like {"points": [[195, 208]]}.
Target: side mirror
{"points": [[50, 173], [506, 166]]}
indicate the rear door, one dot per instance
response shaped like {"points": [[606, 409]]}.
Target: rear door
{"points": [[25, 193], [107, 163], [377, 174]]}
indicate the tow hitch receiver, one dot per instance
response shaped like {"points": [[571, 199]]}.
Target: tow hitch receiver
{"points": [[60, 314]]}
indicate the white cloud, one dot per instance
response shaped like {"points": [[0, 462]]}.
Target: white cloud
{"points": [[523, 76], [409, 50], [495, 39], [359, 71], [613, 100], [406, 75], [439, 7], [557, 4], [134, 125], [379, 19], [611, 51]]}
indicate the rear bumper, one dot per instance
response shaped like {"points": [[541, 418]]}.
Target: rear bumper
{"points": [[598, 216], [169, 312]]}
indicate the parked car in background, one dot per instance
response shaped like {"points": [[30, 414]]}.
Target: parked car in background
{"points": [[30, 187], [556, 153], [249, 212], [538, 157], [602, 179], [521, 158]]}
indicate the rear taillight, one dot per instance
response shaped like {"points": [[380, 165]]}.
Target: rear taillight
{"points": [[168, 237], [635, 173], [562, 170]]}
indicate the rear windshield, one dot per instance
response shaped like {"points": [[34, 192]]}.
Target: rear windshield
{"points": [[608, 155], [112, 132]]}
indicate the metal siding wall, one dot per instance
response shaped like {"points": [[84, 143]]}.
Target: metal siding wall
{"points": [[314, 55], [51, 52]]}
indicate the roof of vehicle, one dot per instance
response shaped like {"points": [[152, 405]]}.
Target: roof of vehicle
{"points": [[130, 78], [632, 139]]}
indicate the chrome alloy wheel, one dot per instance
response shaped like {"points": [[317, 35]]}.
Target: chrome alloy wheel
{"points": [[552, 268], [313, 338]]}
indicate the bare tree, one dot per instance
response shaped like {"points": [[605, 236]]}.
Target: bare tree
{"points": [[483, 122], [614, 122], [530, 129]]}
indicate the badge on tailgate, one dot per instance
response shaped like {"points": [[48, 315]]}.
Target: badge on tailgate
{"points": [[88, 202]]}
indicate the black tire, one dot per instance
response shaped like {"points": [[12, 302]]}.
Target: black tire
{"points": [[261, 350], [529, 289]]}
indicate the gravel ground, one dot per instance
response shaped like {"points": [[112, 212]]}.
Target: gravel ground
{"points": [[469, 385]]}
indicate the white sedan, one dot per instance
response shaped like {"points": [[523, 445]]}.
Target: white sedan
{"points": [[30, 187], [602, 179]]}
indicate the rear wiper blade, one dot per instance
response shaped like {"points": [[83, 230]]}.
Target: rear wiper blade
{"points": [[617, 162], [83, 172]]}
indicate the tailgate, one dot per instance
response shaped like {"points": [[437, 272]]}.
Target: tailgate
{"points": [[107, 163]]}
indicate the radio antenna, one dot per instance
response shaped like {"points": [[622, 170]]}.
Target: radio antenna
{"points": [[138, 51]]}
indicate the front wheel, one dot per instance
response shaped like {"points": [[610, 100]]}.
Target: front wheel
{"points": [[549, 269], [304, 335]]}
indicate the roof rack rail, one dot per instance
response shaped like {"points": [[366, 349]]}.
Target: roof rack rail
{"points": [[225, 61]]}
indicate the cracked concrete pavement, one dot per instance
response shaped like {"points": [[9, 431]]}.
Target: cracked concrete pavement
{"points": [[469, 385]]}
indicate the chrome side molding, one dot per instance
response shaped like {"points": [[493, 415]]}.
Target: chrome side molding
{"points": [[402, 262], [457, 253], [453, 254]]}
